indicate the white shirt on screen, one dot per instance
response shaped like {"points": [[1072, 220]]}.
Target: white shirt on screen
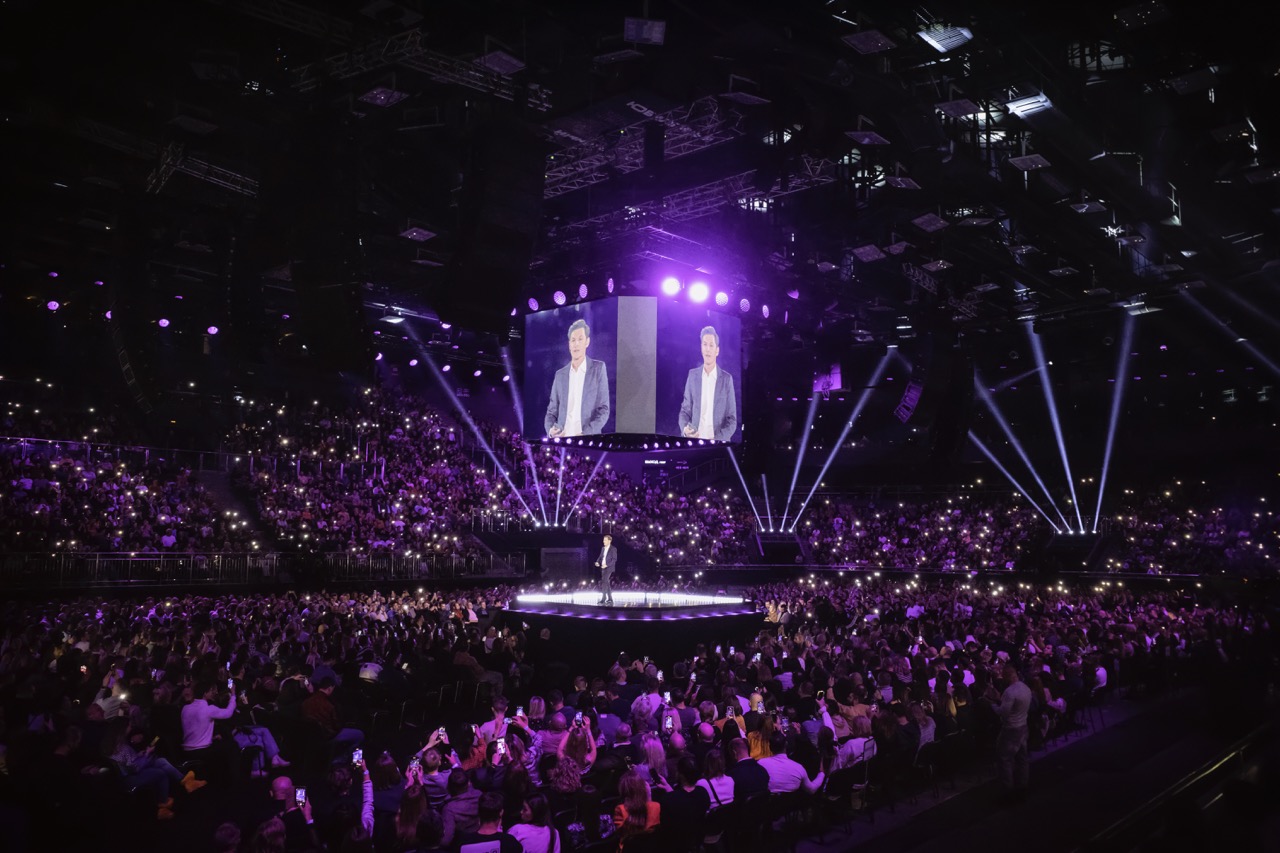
{"points": [[573, 418], [707, 418]]}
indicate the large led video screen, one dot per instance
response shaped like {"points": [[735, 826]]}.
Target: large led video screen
{"points": [[633, 364]]}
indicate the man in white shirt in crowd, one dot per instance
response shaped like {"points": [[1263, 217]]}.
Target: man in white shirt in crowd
{"points": [[786, 774]]}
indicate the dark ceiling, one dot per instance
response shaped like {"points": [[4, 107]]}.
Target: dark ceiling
{"points": [[1064, 166]]}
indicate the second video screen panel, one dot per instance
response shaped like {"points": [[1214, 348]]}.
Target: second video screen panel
{"points": [[633, 364]]}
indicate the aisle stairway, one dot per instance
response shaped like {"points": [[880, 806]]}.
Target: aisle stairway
{"points": [[218, 483]]}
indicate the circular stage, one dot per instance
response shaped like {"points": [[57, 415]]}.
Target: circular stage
{"points": [[584, 632], [628, 606]]}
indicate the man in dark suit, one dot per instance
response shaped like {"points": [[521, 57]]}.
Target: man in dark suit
{"points": [[710, 407], [608, 560], [579, 402]]}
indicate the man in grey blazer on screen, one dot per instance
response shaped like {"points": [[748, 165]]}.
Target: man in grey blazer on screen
{"points": [[579, 402], [709, 408]]}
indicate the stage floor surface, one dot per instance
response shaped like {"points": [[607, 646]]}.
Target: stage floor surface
{"points": [[631, 606]]}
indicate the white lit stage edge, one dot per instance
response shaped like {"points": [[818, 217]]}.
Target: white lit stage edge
{"points": [[633, 606]]}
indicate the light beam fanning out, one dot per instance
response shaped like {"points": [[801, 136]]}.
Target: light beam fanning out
{"points": [[528, 454], [585, 488], [1244, 342], [559, 487], [853, 418], [1013, 440], [768, 511], [1009, 477], [745, 490], [1047, 384], [1117, 394], [475, 430], [804, 443]]}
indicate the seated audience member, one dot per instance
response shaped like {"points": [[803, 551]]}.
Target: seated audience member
{"points": [[685, 806], [749, 778], [461, 812], [637, 812], [535, 831], [786, 774], [719, 787], [488, 836], [320, 709]]}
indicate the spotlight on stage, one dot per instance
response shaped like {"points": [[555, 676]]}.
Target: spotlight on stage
{"points": [[698, 292], [670, 286]]}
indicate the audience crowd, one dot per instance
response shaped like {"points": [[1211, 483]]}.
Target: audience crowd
{"points": [[423, 720], [390, 474]]}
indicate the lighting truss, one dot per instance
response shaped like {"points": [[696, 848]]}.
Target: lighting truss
{"points": [[690, 128], [407, 49], [294, 16], [171, 159], [706, 199]]}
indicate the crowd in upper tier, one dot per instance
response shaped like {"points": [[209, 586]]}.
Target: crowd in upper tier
{"points": [[130, 706], [392, 474]]}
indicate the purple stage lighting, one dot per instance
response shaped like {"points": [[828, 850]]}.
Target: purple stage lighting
{"points": [[745, 305], [1047, 384], [108, 314], [722, 299], [533, 304], [53, 275], [853, 418], [477, 372], [582, 291], [519, 410], [164, 324], [413, 362], [98, 283], [506, 377], [609, 285], [558, 297], [670, 286], [378, 357], [585, 489], [52, 305], [1009, 477], [1117, 394], [446, 368], [745, 490], [698, 292], [764, 309], [981, 388], [212, 330], [804, 443]]}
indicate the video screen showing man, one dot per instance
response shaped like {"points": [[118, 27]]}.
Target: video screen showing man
{"points": [[579, 402], [710, 407]]}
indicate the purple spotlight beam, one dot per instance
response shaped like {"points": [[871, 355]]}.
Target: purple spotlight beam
{"points": [[768, 510], [804, 443], [1013, 440], [853, 418], [1047, 385], [586, 488], [1117, 394], [515, 400], [559, 487], [1009, 477], [475, 430], [759, 524]]}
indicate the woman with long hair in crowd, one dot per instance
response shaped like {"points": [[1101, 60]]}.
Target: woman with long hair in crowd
{"points": [[535, 831], [637, 812]]}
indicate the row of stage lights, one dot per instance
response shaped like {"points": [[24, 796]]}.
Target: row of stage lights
{"points": [[697, 292]]}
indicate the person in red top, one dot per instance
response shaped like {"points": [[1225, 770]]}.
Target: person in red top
{"points": [[320, 709]]}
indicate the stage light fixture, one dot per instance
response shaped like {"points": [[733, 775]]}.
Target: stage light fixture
{"points": [[764, 309], [378, 357], [54, 305], [506, 377], [476, 373], [446, 368], [943, 38], [582, 291], [722, 299], [744, 305], [868, 253], [670, 286], [533, 304], [413, 362], [393, 319], [164, 323], [558, 297], [212, 330], [866, 137], [869, 42], [698, 292], [1029, 162], [1029, 106]]}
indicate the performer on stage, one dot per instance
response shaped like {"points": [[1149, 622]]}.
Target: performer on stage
{"points": [[608, 560]]}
